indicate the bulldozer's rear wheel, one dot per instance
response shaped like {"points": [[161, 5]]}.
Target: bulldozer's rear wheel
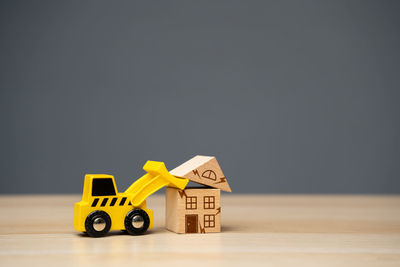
{"points": [[137, 222], [97, 223]]}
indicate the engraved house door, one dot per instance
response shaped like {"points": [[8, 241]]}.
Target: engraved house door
{"points": [[191, 223]]}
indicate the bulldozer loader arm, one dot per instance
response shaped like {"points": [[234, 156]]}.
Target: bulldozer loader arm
{"points": [[157, 177]]}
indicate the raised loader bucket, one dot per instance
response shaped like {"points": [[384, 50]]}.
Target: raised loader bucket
{"points": [[156, 178]]}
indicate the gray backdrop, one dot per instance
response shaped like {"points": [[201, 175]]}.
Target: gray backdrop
{"points": [[290, 96]]}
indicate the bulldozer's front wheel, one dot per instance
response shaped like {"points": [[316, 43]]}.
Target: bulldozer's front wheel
{"points": [[97, 223], [137, 222]]}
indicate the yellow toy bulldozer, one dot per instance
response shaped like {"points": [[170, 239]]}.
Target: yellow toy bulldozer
{"points": [[103, 209]]}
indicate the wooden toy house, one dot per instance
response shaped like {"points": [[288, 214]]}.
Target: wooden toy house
{"points": [[196, 209]]}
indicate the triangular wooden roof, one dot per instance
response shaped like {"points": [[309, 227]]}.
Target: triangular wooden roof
{"points": [[203, 170]]}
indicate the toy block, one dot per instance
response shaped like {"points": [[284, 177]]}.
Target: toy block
{"points": [[203, 170], [193, 210]]}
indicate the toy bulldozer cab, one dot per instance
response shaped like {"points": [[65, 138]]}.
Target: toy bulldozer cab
{"points": [[103, 209]]}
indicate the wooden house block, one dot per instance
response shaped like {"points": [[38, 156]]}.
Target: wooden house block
{"points": [[203, 170], [193, 210]]}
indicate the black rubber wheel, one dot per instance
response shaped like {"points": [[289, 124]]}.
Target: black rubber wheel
{"points": [[137, 222], [97, 223]]}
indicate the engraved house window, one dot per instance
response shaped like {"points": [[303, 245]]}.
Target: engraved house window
{"points": [[191, 203], [209, 221], [209, 202]]}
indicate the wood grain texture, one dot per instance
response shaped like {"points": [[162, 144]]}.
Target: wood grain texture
{"points": [[178, 210], [256, 230]]}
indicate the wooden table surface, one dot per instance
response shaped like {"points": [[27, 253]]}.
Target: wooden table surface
{"points": [[267, 230]]}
